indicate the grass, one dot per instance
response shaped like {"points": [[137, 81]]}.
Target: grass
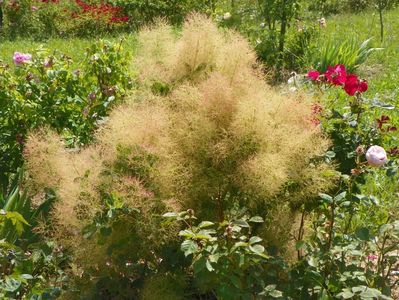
{"points": [[382, 68], [73, 47]]}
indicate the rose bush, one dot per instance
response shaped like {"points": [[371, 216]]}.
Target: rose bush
{"points": [[44, 90], [337, 76], [346, 239]]}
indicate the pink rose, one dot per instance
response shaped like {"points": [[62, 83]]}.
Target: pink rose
{"points": [[20, 58], [376, 156]]}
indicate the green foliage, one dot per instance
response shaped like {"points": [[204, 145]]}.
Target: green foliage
{"points": [[200, 145], [145, 12], [346, 52], [174, 146], [16, 17], [31, 273], [226, 257], [343, 261], [47, 91], [44, 19], [329, 7], [274, 29], [350, 254], [29, 267], [19, 216]]}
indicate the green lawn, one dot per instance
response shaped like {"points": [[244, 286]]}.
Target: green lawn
{"points": [[382, 68], [72, 47]]}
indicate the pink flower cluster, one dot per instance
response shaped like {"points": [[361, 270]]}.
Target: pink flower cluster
{"points": [[21, 58], [338, 76]]}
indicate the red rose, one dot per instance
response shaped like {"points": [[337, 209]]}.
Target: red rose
{"points": [[354, 85], [336, 75], [313, 75]]}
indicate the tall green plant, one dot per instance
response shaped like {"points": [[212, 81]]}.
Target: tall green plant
{"points": [[347, 52]]}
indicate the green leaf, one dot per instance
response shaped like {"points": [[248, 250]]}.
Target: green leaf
{"points": [[358, 289], [327, 198], [203, 237], [300, 245], [205, 224], [330, 154], [238, 245], [384, 228], [254, 240], [209, 266], [256, 219], [214, 258], [271, 291], [370, 294], [11, 285], [312, 261], [258, 249], [340, 197], [235, 280], [27, 276], [347, 294], [170, 215], [186, 233], [363, 233], [189, 247], [241, 223]]}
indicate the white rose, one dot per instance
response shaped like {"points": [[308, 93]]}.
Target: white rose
{"points": [[227, 16], [376, 156]]}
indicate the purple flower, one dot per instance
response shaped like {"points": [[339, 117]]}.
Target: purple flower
{"points": [[21, 58]]}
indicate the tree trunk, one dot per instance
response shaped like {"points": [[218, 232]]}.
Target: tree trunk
{"points": [[283, 30], [380, 9]]}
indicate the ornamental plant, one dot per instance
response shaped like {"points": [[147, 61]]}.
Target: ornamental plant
{"points": [[226, 258], [44, 90], [203, 132], [350, 250], [337, 76], [31, 267]]}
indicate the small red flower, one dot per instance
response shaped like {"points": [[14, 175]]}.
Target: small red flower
{"points": [[313, 75], [336, 75], [317, 109], [354, 85]]}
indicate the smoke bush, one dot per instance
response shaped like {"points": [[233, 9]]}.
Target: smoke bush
{"points": [[219, 138]]}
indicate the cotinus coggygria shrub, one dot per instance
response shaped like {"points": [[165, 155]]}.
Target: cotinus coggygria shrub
{"points": [[205, 132]]}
